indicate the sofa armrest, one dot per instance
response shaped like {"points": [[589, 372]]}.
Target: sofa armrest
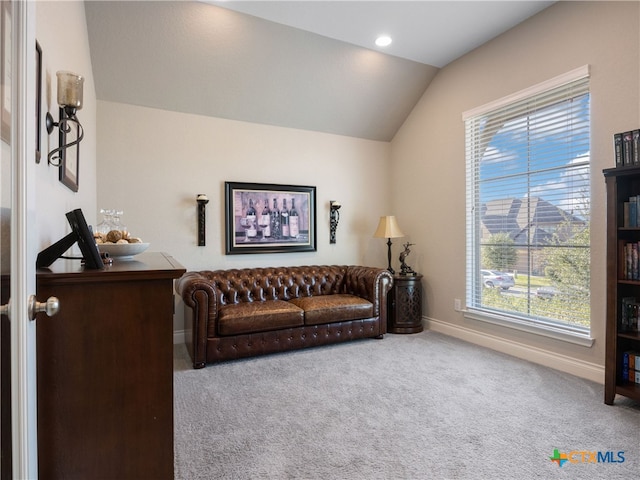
{"points": [[192, 286], [200, 295], [372, 284]]}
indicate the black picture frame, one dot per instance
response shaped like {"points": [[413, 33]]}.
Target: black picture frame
{"points": [[69, 157], [241, 237], [38, 101], [80, 233], [86, 242]]}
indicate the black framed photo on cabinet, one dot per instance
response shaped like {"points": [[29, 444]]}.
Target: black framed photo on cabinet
{"points": [[269, 218]]}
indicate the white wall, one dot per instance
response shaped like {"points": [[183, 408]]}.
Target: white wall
{"points": [[430, 145], [62, 33], [152, 164]]}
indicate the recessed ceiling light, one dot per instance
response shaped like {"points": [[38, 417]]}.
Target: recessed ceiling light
{"points": [[383, 41]]}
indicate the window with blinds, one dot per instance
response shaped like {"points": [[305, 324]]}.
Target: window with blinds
{"points": [[528, 200]]}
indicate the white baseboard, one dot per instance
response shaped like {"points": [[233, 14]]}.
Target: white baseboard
{"points": [[564, 363], [178, 336]]}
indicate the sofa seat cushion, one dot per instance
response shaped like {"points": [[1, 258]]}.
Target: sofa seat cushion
{"points": [[251, 317], [333, 308]]}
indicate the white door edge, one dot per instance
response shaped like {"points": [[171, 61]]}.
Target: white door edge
{"points": [[23, 331]]}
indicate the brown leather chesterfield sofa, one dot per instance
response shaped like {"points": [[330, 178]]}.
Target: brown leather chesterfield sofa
{"points": [[239, 313]]}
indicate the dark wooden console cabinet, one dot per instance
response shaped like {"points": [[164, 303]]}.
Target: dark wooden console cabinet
{"points": [[405, 305], [105, 370]]}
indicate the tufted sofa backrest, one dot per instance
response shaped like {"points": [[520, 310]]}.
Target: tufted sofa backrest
{"points": [[281, 283]]}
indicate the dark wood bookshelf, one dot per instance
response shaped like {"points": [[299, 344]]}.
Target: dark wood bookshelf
{"points": [[631, 390], [622, 183], [632, 335]]}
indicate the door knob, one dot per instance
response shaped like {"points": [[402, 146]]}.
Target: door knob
{"points": [[5, 309], [50, 307]]}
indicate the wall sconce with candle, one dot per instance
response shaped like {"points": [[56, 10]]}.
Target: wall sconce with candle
{"points": [[70, 91], [202, 200], [334, 218]]}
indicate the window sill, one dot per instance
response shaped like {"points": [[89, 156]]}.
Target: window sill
{"points": [[569, 335]]}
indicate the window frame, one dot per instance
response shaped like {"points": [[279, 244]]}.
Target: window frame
{"points": [[573, 334]]}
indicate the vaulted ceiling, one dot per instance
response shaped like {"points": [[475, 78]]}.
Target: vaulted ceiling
{"points": [[304, 65]]}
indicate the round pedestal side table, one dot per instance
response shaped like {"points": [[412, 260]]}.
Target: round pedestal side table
{"points": [[405, 305]]}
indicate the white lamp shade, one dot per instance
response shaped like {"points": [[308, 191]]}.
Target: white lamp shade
{"points": [[388, 228]]}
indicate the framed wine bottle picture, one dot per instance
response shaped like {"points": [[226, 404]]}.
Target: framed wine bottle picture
{"points": [[269, 218]]}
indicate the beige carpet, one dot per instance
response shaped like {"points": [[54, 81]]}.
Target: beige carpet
{"points": [[422, 406]]}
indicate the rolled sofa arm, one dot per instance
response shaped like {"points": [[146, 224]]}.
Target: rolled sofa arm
{"points": [[189, 286], [370, 283], [200, 295]]}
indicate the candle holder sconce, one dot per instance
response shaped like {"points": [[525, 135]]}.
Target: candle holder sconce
{"points": [[334, 218], [70, 92], [202, 202]]}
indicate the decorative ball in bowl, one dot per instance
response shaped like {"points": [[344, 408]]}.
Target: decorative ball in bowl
{"points": [[119, 244], [122, 251]]}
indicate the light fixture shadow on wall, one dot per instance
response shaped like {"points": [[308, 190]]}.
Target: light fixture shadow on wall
{"points": [[334, 218], [70, 86]]}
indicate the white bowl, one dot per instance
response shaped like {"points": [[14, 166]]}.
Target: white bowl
{"points": [[122, 251]]}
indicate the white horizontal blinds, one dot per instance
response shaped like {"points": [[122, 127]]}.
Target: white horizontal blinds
{"points": [[528, 196]]}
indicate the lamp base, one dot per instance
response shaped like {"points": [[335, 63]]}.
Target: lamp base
{"points": [[391, 270]]}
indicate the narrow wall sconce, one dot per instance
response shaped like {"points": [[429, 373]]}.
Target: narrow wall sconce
{"points": [[334, 218], [388, 228], [70, 100], [202, 200]]}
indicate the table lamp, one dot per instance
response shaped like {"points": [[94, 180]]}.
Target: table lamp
{"points": [[388, 228]]}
